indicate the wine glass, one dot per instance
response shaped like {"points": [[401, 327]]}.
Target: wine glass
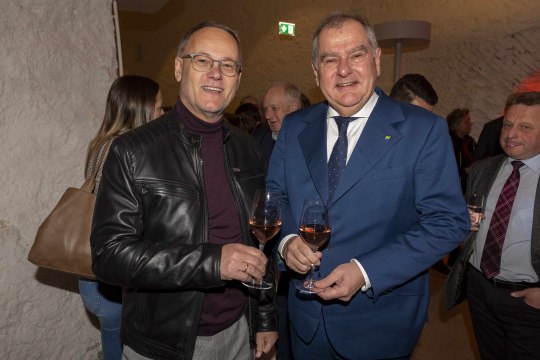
{"points": [[265, 223], [315, 231], [476, 204]]}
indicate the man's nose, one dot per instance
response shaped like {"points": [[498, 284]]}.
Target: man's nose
{"points": [[511, 132], [215, 71], [344, 68]]}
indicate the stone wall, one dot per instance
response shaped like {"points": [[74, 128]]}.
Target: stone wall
{"points": [[57, 61], [480, 50]]}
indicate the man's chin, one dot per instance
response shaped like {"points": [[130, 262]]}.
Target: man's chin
{"points": [[274, 129]]}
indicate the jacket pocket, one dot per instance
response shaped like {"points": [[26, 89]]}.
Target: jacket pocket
{"points": [[161, 187]]}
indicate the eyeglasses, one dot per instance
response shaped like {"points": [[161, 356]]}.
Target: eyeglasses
{"points": [[203, 63]]}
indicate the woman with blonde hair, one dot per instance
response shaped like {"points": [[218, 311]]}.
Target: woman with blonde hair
{"points": [[132, 101]]}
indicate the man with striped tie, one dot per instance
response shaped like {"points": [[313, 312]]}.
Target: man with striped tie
{"points": [[503, 288]]}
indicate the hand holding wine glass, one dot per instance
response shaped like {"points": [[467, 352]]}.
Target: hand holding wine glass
{"points": [[265, 223], [315, 231], [476, 204]]}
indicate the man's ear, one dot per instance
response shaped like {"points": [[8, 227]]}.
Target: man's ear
{"points": [[378, 61], [239, 78], [178, 62], [315, 73]]}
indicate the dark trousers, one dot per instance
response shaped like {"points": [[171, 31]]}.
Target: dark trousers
{"points": [[504, 327], [284, 350]]}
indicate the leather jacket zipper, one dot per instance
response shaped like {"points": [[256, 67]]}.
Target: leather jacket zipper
{"points": [[198, 162]]}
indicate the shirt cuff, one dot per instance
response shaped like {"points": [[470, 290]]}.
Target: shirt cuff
{"points": [[367, 284], [283, 242]]}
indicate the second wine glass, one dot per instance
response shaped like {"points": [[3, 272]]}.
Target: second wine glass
{"points": [[315, 231], [265, 223]]}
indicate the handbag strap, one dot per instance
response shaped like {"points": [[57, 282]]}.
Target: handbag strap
{"points": [[89, 184]]}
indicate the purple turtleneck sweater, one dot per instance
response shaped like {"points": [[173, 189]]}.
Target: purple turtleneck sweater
{"points": [[223, 306]]}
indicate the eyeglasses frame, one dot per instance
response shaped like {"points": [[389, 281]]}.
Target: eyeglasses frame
{"points": [[220, 62]]}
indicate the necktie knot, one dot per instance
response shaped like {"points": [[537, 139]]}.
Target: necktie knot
{"points": [[517, 164], [343, 123]]}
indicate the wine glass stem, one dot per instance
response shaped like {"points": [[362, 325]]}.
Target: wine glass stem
{"points": [[311, 273], [261, 247]]}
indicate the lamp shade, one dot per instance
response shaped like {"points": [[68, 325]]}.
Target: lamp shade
{"points": [[402, 34], [410, 33]]}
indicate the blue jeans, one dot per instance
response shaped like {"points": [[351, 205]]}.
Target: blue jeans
{"points": [[105, 302]]}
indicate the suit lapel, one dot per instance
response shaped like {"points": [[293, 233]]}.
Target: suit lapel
{"points": [[487, 177], [312, 141], [378, 137]]}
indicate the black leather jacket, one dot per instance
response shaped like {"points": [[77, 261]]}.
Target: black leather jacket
{"points": [[150, 234]]}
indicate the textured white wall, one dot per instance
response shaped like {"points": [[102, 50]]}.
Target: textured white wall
{"points": [[57, 61]]}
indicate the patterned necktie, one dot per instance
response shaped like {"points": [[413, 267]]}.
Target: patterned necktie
{"points": [[338, 157], [491, 257]]}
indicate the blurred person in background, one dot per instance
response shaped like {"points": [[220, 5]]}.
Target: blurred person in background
{"points": [[417, 90], [247, 117], [460, 125], [132, 101], [488, 142], [279, 100]]}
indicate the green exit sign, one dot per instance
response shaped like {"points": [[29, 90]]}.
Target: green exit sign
{"points": [[286, 28]]}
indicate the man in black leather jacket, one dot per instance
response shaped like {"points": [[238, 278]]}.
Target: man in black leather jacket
{"points": [[171, 224]]}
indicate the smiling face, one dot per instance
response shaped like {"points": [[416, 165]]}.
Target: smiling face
{"points": [[347, 67], [276, 106], [207, 94], [520, 135]]}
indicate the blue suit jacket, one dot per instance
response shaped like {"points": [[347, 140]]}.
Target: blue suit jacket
{"points": [[398, 208]]}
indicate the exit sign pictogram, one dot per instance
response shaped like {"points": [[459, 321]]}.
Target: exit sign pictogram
{"points": [[286, 28]]}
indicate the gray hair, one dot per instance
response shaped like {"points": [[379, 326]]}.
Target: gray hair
{"points": [[335, 21], [208, 24], [291, 92]]}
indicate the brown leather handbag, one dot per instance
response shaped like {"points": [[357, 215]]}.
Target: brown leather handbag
{"points": [[63, 240]]}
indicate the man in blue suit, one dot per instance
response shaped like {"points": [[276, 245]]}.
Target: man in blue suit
{"points": [[395, 208]]}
